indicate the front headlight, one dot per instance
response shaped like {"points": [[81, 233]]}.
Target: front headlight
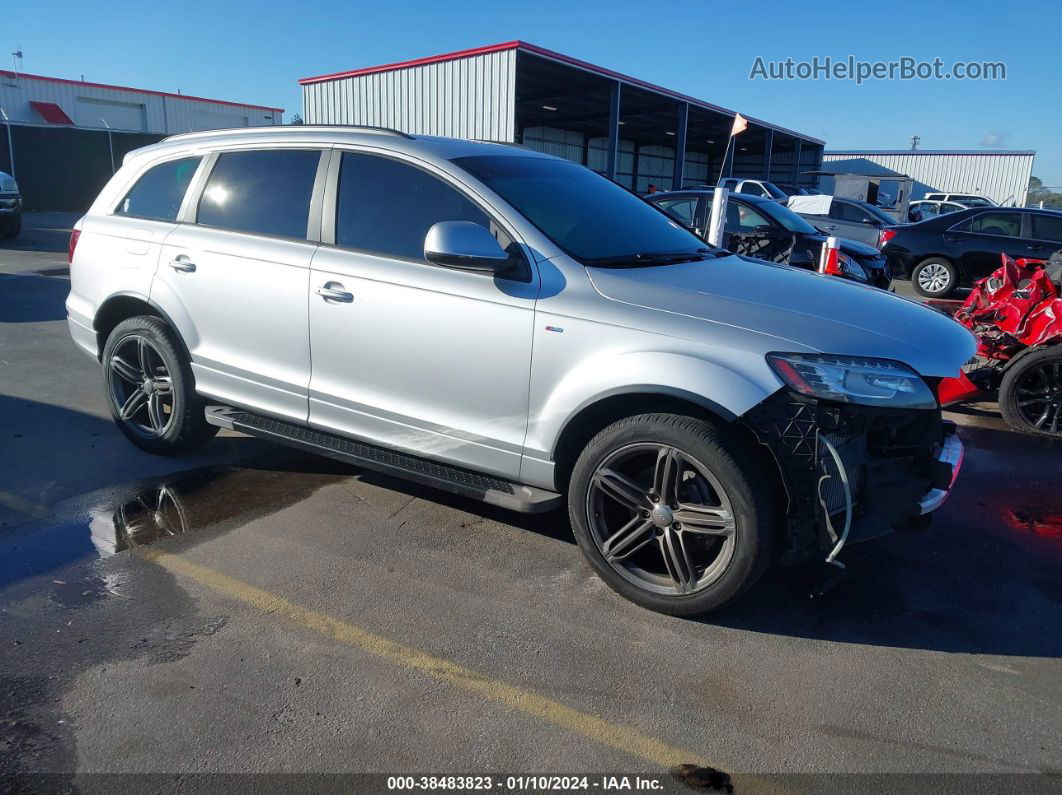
{"points": [[8, 185], [851, 267], [853, 379]]}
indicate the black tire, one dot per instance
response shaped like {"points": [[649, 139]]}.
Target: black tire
{"points": [[929, 273], [10, 227], [1030, 395], [739, 485], [165, 417]]}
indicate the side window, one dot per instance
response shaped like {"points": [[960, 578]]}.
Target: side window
{"points": [[681, 210], [1005, 224], [752, 188], [159, 192], [740, 218], [387, 207], [1047, 227], [264, 192], [836, 211]]}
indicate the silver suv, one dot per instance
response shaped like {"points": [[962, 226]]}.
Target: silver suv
{"points": [[513, 327]]}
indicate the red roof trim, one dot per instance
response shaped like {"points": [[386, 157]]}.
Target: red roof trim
{"points": [[51, 113], [516, 44], [7, 73]]}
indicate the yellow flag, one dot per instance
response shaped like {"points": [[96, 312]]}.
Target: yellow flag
{"points": [[740, 125]]}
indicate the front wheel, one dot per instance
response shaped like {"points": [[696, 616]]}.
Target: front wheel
{"points": [[672, 513], [1030, 395], [935, 277], [150, 388]]}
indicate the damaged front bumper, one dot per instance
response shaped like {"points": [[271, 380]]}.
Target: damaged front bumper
{"points": [[852, 473]]}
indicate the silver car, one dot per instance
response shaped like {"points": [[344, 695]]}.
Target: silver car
{"points": [[515, 328]]}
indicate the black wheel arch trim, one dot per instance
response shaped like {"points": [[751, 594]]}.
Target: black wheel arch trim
{"points": [[159, 311]]}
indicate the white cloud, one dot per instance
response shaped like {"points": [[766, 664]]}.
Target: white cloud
{"points": [[995, 138]]}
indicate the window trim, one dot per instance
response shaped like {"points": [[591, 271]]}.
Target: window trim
{"points": [[131, 185], [190, 209], [330, 210]]}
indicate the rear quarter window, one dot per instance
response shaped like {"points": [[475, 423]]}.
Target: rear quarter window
{"points": [[158, 194]]}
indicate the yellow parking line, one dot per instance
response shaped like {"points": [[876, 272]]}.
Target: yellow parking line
{"points": [[602, 731], [16, 503]]}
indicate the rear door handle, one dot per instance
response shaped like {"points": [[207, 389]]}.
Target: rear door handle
{"points": [[183, 264], [330, 293]]}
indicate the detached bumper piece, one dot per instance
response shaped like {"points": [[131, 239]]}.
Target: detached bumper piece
{"points": [[489, 489], [853, 473]]}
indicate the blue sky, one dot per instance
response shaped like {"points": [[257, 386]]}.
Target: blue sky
{"points": [[247, 51]]}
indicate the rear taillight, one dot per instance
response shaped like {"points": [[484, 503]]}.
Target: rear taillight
{"points": [[884, 236], [74, 235]]}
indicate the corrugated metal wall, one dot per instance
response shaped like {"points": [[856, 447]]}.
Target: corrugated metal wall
{"points": [[160, 113], [1001, 176], [471, 97]]}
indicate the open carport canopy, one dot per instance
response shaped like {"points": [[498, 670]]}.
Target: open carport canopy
{"points": [[556, 94]]}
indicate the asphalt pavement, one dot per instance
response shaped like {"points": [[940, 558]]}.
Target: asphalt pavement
{"points": [[250, 610]]}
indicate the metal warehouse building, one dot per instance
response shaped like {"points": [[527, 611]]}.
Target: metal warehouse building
{"points": [[64, 138], [627, 129], [1002, 176], [32, 99]]}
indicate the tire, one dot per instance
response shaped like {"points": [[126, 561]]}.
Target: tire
{"points": [[935, 277], [1030, 395], [612, 487], [163, 414]]}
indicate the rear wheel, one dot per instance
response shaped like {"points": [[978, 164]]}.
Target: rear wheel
{"points": [[672, 513], [150, 388], [935, 277], [1030, 395]]}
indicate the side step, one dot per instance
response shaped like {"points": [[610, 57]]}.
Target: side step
{"points": [[489, 489]]}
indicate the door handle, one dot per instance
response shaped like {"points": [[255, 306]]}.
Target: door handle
{"points": [[183, 264], [329, 293]]}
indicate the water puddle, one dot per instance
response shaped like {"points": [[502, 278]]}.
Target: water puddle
{"points": [[96, 526]]}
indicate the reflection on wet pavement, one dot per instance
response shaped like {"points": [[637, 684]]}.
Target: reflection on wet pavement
{"points": [[205, 502]]}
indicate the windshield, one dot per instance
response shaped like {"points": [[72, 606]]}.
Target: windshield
{"points": [[787, 218], [973, 201], [775, 191], [589, 217]]}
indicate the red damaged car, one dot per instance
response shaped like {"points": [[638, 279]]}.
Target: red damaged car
{"points": [[1016, 315]]}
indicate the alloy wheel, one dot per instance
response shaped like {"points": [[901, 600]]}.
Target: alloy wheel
{"points": [[141, 387], [661, 519], [1038, 397], [934, 278]]}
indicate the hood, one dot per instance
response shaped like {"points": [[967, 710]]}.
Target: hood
{"points": [[850, 247], [809, 310]]}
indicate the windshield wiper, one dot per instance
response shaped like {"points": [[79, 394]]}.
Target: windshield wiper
{"points": [[657, 258]]}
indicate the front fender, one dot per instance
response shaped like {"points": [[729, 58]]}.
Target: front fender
{"points": [[723, 390]]}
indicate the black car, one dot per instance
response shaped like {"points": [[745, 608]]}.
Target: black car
{"points": [[763, 228], [941, 254]]}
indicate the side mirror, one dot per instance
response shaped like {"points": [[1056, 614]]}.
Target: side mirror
{"points": [[464, 245]]}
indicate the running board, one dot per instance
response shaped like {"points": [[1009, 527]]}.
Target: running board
{"points": [[489, 489]]}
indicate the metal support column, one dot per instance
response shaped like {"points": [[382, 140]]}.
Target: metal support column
{"points": [[612, 160], [768, 149], [796, 162], [680, 145]]}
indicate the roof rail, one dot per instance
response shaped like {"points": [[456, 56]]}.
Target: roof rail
{"points": [[290, 128]]}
